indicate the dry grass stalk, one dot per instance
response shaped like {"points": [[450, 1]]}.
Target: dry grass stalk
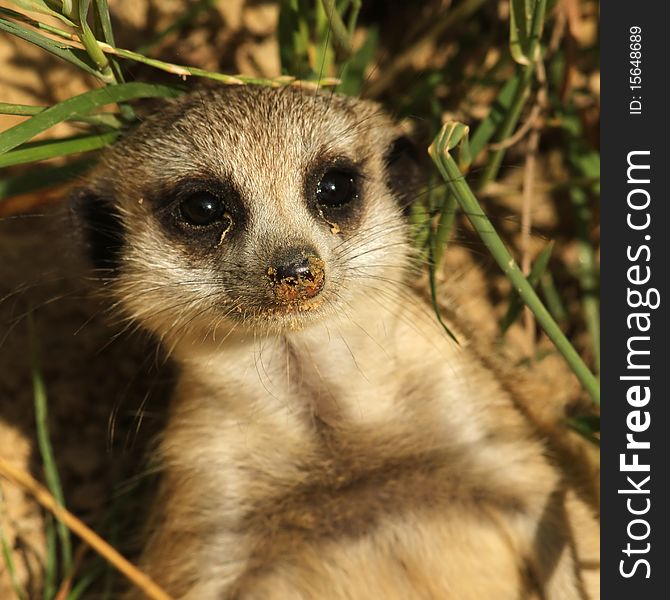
{"points": [[41, 494]]}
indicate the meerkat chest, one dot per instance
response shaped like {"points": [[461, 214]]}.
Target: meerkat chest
{"points": [[329, 407], [322, 446]]}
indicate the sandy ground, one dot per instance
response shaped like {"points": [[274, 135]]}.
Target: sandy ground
{"points": [[106, 392]]}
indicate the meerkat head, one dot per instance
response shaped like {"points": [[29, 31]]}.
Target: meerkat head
{"points": [[252, 208]]}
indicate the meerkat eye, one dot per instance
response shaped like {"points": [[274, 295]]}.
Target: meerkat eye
{"points": [[202, 209], [336, 188]]}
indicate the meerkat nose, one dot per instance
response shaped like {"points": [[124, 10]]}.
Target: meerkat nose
{"points": [[296, 275], [293, 272]]}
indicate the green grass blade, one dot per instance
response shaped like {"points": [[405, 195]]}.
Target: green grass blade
{"points": [[17, 16], [51, 562], [496, 116], [553, 298], [323, 56], [585, 161], [91, 44], [107, 120], [102, 13], [293, 33], [42, 7], [102, 16], [54, 148], [586, 427], [338, 31], [520, 16], [81, 104], [353, 72], [21, 110], [73, 56], [523, 82], [83, 583], [537, 271], [587, 270], [433, 294], [419, 220], [447, 139], [184, 71], [522, 90], [444, 226], [46, 450]]}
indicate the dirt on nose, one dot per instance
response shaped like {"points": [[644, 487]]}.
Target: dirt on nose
{"points": [[303, 286]]}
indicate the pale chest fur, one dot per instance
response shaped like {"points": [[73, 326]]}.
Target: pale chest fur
{"points": [[378, 449]]}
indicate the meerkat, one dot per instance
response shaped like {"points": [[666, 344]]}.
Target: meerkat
{"points": [[326, 439]]}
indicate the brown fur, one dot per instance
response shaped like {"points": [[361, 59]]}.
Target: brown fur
{"points": [[337, 447]]}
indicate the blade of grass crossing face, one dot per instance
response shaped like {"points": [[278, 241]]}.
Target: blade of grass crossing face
{"points": [[81, 104], [419, 219], [439, 236], [46, 450]]}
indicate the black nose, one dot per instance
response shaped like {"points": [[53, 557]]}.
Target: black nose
{"points": [[291, 272], [297, 274]]}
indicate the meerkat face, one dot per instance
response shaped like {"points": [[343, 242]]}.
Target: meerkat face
{"points": [[251, 208]]}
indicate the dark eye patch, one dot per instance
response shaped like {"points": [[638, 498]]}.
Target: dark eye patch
{"points": [[201, 210], [333, 189], [100, 227], [404, 172]]}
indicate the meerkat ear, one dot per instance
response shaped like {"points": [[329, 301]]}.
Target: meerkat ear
{"points": [[99, 227], [404, 170]]}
